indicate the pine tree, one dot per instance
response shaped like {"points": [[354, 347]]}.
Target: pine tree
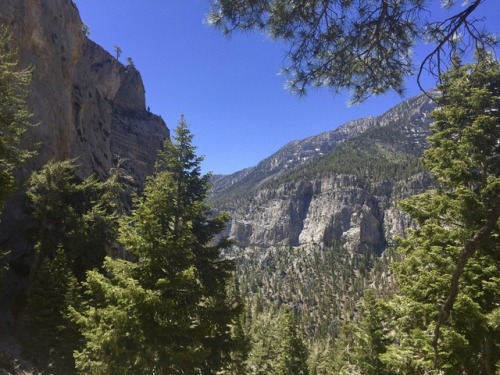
{"points": [[74, 224], [80, 215], [275, 345], [369, 336], [449, 281], [49, 336], [14, 113], [362, 46], [343, 351], [293, 352], [166, 312], [321, 358], [241, 344]]}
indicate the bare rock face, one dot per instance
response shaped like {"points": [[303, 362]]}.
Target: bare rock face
{"points": [[87, 104], [333, 209]]}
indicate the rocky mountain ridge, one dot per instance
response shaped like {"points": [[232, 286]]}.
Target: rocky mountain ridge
{"points": [[316, 191], [413, 112]]}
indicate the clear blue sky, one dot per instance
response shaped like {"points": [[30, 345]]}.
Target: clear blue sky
{"points": [[229, 90]]}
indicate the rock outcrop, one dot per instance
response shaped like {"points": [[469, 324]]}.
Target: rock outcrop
{"points": [[333, 209], [87, 104]]}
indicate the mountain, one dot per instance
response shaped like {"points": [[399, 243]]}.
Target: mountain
{"points": [[314, 222], [337, 186]]}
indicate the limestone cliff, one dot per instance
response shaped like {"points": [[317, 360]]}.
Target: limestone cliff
{"points": [[88, 105]]}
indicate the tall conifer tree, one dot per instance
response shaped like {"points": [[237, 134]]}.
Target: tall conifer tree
{"points": [[166, 312], [449, 283], [14, 113], [74, 225], [276, 345], [49, 336]]}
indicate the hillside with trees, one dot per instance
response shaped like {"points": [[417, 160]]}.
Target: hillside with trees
{"points": [[429, 303], [373, 249]]}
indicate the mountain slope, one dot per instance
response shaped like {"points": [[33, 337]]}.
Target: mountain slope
{"points": [[337, 186], [312, 220]]}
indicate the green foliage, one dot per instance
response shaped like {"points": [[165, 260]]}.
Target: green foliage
{"points": [[14, 113], [169, 310], [342, 349], [239, 332], [79, 215], [370, 340], [292, 276], [74, 224], [49, 336], [276, 345], [442, 318], [362, 46], [321, 360]]}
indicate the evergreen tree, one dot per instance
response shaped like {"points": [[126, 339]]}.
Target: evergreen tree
{"points": [[276, 346], [293, 356], [14, 113], [369, 336], [344, 351], [166, 312], [241, 344], [75, 223], [49, 336], [80, 215], [449, 282], [118, 51], [321, 358]]}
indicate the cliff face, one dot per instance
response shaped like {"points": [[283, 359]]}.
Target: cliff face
{"points": [[337, 208], [88, 105]]}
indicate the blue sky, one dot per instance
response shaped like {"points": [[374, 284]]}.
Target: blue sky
{"points": [[229, 89]]}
